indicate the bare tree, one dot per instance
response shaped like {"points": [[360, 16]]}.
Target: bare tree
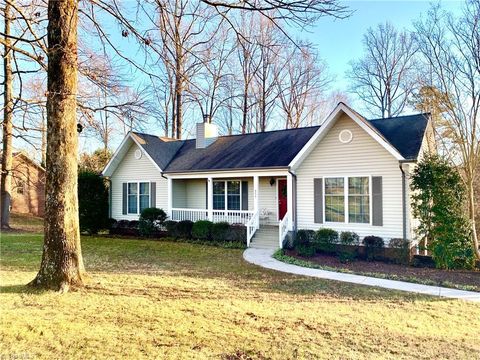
{"points": [[385, 77], [301, 83], [451, 48], [266, 93]]}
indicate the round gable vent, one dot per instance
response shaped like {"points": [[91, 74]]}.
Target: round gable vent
{"points": [[345, 136], [138, 154]]}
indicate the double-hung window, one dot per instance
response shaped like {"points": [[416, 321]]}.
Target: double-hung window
{"points": [[347, 199], [335, 199], [227, 195], [138, 196], [358, 200]]}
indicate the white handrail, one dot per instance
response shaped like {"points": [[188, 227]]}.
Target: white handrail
{"points": [[283, 229], [252, 226]]}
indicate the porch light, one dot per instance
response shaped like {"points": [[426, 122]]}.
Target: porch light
{"points": [[272, 181]]}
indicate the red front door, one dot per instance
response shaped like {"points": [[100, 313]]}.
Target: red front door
{"points": [[282, 198]]}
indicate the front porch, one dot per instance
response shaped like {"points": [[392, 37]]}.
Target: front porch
{"points": [[252, 201]]}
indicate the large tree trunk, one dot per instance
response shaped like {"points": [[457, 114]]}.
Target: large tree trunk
{"points": [[6, 177], [62, 263]]}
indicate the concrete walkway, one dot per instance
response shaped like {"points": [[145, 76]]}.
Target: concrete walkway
{"points": [[263, 258]]}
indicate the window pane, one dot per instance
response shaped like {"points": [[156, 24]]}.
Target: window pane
{"points": [[132, 204], [233, 187], [144, 188], [218, 187], [335, 208], [144, 202], [132, 188], [233, 202], [218, 202], [334, 186], [358, 209], [358, 186]]}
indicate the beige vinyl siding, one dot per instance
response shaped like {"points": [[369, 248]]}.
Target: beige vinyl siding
{"points": [[131, 169], [363, 156], [196, 193], [179, 191]]}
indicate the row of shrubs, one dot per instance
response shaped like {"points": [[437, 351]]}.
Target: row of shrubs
{"points": [[153, 223], [346, 246]]}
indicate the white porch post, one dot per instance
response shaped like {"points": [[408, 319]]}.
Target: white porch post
{"points": [[210, 198], [290, 201], [255, 193], [170, 197]]}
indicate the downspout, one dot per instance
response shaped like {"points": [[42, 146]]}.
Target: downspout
{"points": [[294, 205], [404, 202]]}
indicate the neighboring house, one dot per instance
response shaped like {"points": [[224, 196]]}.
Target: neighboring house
{"points": [[28, 186], [347, 174]]}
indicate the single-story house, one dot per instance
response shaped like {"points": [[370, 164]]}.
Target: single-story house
{"points": [[349, 174], [28, 185]]}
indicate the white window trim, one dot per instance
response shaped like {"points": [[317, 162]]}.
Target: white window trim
{"points": [[226, 194], [138, 195], [345, 194]]}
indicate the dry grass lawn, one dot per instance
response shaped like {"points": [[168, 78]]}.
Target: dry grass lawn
{"points": [[150, 299]]}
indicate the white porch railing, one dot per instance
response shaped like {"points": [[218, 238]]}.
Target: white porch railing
{"points": [[230, 216], [189, 214], [283, 229], [252, 226]]}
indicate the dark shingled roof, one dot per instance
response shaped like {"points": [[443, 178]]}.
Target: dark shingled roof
{"points": [[271, 149], [161, 150], [404, 133], [257, 150]]}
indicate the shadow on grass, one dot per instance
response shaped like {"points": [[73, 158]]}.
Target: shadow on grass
{"points": [[21, 289]]}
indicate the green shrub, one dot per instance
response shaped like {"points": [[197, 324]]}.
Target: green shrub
{"points": [[202, 229], [220, 231], [349, 238], [183, 229], [438, 202], [306, 250], [325, 240], [401, 250], [373, 247], [349, 250], [304, 237], [151, 221], [92, 202], [169, 226], [237, 233]]}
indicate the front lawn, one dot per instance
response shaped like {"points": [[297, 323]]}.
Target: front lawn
{"points": [[150, 299]]}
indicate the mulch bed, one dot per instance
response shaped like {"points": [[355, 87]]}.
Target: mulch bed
{"points": [[403, 272]]}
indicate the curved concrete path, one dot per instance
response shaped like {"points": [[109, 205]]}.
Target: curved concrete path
{"points": [[263, 258]]}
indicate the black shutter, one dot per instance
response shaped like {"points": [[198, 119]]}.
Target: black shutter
{"points": [[124, 199], [153, 194], [318, 200], [244, 195], [377, 201]]}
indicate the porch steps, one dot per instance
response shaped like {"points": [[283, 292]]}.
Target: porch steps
{"points": [[265, 238]]}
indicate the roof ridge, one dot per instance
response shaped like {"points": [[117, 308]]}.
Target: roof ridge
{"points": [[401, 116], [166, 139]]}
